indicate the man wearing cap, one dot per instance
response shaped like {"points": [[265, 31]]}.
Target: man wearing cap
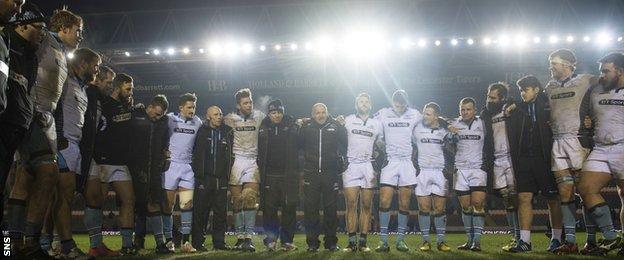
{"points": [[277, 160], [568, 97], [25, 38]]}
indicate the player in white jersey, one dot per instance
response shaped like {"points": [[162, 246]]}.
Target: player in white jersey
{"points": [[245, 175], [359, 180], [568, 96], [606, 160], [469, 132], [398, 124], [432, 187], [179, 178]]}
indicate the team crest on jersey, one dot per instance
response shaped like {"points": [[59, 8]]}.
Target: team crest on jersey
{"points": [[430, 141], [563, 95], [184, 130], [398, 124], [245, 128], [611, 102], [469, 137], [362, 132]]}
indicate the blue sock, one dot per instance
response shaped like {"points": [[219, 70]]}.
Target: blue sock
{"points": [[602, 217], [424, 222], [384, 221], [590, 226], [239, 224], [167, 222], [512, 220], [352, 238], [93, 222], [45, 241], [250, 221], [568, 210], [155, 224], [440, 224], [467, 219], [478, 221], [126, 237], [186, 220], [402, 225]]}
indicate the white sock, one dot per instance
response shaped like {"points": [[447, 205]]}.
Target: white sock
{"points": [[525, 235], [556, 233]]}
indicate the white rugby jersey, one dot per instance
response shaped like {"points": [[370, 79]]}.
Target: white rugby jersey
{"points": [[73, 106], [51, 74], [566, 104], [182, 133], [470, 141], [499, 133], [361, 138], [397, 131], [430, 143], [608, 115], [245, 132]]}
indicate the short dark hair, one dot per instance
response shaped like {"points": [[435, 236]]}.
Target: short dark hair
{"points": [[467, 100], [400, 96], [528, 81], [501, 88], [84, 55], [120, 79], [160, 101], [64, 19], [617, 58], [434, 106], [564, 54], [242, 93], [103, 73], [188, 97]]}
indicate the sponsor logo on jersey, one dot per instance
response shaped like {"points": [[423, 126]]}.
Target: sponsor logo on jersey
{"points": [[469, 137], [398, 124], [563, 95], [430, 141], [498, 119], [611, 102], [245, 128], [184, 130], [122, 117], [362, 132]]}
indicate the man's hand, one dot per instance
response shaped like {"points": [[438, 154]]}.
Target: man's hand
{"points": [[510, 109], [453, 130], [587, 122], [340, 119], [302, 121]]}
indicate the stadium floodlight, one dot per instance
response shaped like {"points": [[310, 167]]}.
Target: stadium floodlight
{"points": [[454, 42], [262, 48], [470, 41], [186, 50], [156, 52], [308, 45], [231, 49], [437, 42], [487, 41], [127, 54], [553, 39], [537, 39], [422, 43], [603, 38], [201, 50], [405, 43], [216, 49], [147, 53], [619, 39], [171, 51], [70, 55], [569, 38], [247, 48], [324, 45], [586, 38], [277, 47], [294, 46]]}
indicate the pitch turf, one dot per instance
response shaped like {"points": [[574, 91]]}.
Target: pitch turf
{"points": [[491, 245]]}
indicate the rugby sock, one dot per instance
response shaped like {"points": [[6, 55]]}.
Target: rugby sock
{"points": [[512, 220], [568, 210], [362, 239], [33, 233], [525, 235], [93, 222], [154, 221], [478, 221], [402, 225], [384, 221], [239, 224], [352, 238], [424, 222], [602, 217], [590, 226], [126, 237], [167, 222], [440, 225], [467, 219], [186, 220], [45, 241], [16, 219], [556, 234], [67, 246], [250, 222]]}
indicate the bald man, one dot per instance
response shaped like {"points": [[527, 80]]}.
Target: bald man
{"points": [[212, 157], [324, 142]]}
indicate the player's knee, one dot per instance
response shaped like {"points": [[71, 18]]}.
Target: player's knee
{"points": [[366, 207], [186, 199], [249, 198], [478, 210], [509, 198]]}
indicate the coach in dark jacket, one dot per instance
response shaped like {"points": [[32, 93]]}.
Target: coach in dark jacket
{"points": [[323, 141], [278, 162], [212, 160]]}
